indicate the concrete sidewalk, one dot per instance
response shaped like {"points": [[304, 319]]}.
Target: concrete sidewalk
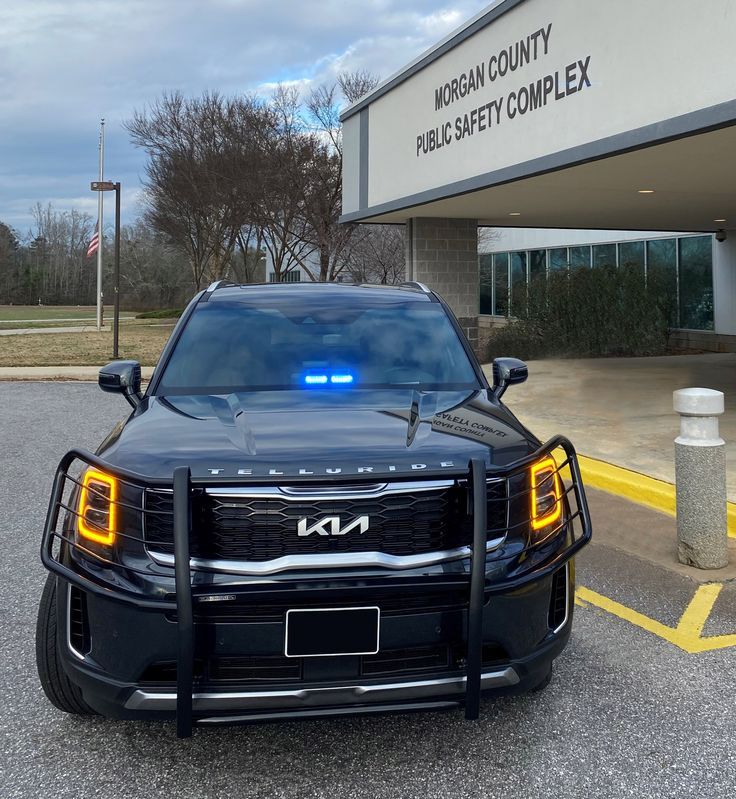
{"points": [[647, 535], [32, 331], [85, 373], [619, 410], [90, 320], [90, 327]]}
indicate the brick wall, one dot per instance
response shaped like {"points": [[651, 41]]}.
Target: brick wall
{"points": [[701, 341], [443, 254]]}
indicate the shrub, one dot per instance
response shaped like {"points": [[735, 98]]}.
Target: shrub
{"points": [[587, 313], [165, 313]]}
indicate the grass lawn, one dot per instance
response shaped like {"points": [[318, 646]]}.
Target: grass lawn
{"points": [[9, 313], [137, 342]]}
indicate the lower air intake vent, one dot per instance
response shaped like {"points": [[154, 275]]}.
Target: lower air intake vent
{"points": [[234, 670], [558, 599], [79, 638], [402, 661]]}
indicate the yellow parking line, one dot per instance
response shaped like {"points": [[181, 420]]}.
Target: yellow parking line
{"points": [[688, 635], [628, 614], [640, 488], [696, 613]]}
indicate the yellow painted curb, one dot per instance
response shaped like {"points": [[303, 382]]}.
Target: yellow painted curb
{"points": [[639, 488]]}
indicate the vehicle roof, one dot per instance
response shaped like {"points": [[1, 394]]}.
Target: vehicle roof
{"points": [[346, 291]]}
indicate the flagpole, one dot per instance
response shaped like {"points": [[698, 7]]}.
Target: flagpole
{"points": [[99, 225]]}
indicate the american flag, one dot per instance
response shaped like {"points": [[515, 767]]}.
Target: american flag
{"points": [[94, 243]]}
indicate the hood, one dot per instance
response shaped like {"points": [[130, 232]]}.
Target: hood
{"points": [[307, 433]]}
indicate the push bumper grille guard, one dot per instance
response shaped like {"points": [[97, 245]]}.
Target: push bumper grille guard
{"points": [[573, 519]]}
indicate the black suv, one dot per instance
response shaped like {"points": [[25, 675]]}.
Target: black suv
{"points": [[319, 506]]}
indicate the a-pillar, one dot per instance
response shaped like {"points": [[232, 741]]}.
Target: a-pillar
{"points": [[443, 254]]}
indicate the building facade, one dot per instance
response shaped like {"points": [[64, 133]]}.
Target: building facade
{"points": [[534, 115]]}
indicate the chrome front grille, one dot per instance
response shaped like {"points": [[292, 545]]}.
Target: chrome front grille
{"points": [[261, 525]]}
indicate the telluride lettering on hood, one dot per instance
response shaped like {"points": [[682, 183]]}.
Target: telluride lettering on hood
{"points": [[320, 479]]}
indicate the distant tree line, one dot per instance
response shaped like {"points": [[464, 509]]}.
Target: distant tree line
{"points": [[48, 264], [228, 180]]}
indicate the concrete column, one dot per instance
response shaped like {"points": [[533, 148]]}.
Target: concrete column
{"points": [[700, 477], [443, 254], [724, 284]]}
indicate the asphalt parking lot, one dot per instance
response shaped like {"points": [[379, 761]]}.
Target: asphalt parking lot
{"points": [[627, 714]]}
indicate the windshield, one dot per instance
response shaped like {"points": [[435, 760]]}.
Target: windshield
{"points": [[288, 342]]}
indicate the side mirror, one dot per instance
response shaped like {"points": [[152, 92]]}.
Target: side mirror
{"points": [[122, 377], [507, 372]]}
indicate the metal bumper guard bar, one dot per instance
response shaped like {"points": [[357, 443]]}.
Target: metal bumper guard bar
{"points": [[185, 612], [182, 523]]}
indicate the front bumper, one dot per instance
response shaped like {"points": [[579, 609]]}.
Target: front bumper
{"points": [[336, 696], [500, 635], [118, 673]]}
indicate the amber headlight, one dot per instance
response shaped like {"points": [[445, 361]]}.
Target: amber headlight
{"points": [[97, 508], [546, 496]]}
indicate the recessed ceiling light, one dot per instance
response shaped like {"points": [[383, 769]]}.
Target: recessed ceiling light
{"points": [[719, 220], [646, 191], [515, 213]]}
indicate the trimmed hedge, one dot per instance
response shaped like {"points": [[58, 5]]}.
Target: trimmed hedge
{"points": [[166, 313], [587, 313]]}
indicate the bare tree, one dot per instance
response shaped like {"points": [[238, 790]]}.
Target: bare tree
{"points": [[204, 155], [248, 255], [48, 264], [58, 269], [318, 177], [487, 236], [150, 269], [280, 205], [229, 178], [377, 255], [356, 84]]}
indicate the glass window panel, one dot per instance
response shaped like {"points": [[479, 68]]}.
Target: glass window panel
{"points": [[631, 254], [486, 283], [558, 259], [696, 282], [501, 283], [604, 255], [518, 283], [662, 275], [537, 263], [579, 257]]}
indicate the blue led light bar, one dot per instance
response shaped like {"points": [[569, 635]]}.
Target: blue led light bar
{"points": [[323, 379]]}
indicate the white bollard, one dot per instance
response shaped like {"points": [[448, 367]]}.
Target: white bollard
{"points": [[700, 477]]}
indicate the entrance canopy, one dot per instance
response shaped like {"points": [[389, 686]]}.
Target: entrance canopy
{"points": [[618, 115]]}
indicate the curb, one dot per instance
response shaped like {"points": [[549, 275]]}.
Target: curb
{"points": [[640, 488]]}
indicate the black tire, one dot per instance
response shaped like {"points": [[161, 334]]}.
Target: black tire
{"points": [[59, 689], [543, 683]]}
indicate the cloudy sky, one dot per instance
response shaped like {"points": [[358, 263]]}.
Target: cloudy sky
{"points": [[66, 63]]}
